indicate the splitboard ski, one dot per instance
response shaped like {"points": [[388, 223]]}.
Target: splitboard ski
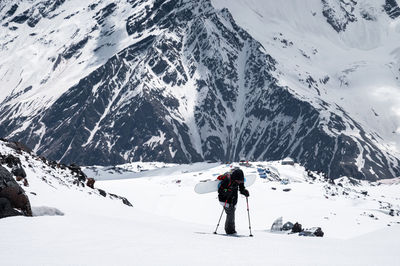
{"points": [[232, 235], [212, 186], [227, 235]]}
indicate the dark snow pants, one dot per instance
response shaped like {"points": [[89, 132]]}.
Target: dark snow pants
{"points": [[230, 219]]}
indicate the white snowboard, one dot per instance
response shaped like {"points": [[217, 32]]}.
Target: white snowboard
{"points": [[212, 186]]}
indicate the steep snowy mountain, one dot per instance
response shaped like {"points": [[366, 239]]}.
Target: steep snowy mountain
{"points": [[344, 52], [182, 81]]}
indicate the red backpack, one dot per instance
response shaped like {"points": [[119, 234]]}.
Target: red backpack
{"points": [[224, 176]]}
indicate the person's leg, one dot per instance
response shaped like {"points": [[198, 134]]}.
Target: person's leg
{"points": [[230, 219]]}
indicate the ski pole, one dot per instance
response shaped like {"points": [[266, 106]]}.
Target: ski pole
{"points": [[248, 214], [215, 232]]}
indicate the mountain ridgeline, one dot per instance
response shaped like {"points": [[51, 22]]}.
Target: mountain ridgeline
{"points": [[190, 85]]}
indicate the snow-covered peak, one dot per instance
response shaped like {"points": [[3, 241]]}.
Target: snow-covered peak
{"points": [[344, 52], [183, 81]]}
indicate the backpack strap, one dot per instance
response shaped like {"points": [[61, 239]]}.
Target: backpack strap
{"points": [[227, 177]]}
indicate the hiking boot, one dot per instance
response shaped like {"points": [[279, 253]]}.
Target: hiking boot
{"points": [[231, 232]]}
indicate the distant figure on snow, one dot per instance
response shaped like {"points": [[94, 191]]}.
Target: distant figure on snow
{"points": [[228, 196]]}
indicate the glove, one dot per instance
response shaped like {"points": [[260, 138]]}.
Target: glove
{"points": [[245, 192]]}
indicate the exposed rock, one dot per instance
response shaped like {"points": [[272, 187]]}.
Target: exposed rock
{"points": [[339, 13], [392, 8], [18, 146], [40, 10], [18, 171], [113, 196], [124, 200], [90, 182], [6, 210], [73, 50], [52, 173], [13, 193], [77, 171], [10, 160], [11, 11], [102, 192], [102, 15]]}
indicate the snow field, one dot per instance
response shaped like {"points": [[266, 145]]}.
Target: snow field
{"points": [[172, 195], [172, 225]]}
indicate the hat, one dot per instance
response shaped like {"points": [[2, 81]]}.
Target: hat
{"points": [[237, 174]]}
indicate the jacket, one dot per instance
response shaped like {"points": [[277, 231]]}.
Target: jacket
{"points": [[228, 191]]}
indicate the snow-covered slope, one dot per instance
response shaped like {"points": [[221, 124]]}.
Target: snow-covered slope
{"points": [[51, 185], [172, 225], [345, 209], [180, 81]]}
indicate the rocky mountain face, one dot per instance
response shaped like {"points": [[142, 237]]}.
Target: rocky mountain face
{"points": [[340, 13], [169, 80], [392, 8]]}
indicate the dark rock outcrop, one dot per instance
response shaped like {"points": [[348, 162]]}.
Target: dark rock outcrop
{"points": [[12, 196], [339, 15], [392, 9], [38, 11], [18, 146], [90, 182], [77, 171], [13, 199], [6, 210], [18, 171], [10, 160]]}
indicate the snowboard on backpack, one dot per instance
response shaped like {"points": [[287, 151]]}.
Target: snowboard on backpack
{"points": [[212, 186]]}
